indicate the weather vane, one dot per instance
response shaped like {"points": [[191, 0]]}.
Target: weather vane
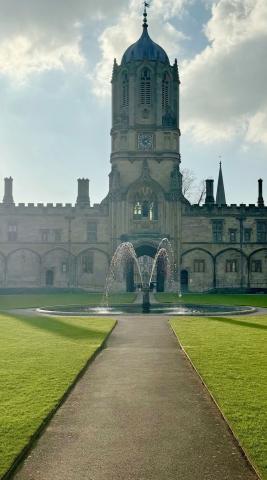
{"points": [[146, 5]]}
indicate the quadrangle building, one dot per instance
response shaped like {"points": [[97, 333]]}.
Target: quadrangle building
{"points": [[216, 245]]}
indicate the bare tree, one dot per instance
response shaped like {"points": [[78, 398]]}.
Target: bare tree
{"points": [[194, 191]]}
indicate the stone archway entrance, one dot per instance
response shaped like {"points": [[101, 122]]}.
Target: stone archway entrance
{"points": [[146, 253]]}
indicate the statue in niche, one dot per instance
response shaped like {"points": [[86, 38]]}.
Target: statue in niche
{"points": [[169, 118]]}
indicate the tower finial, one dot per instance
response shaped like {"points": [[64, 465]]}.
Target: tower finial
{"points": [[146, 5]]}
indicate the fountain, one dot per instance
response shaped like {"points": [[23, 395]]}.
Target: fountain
{"points": [[124, 253]]}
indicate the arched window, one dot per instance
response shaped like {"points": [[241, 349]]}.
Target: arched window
{"points": [[137, 209], [145, 87], [125, 90], [145, 208], [165, 92]]}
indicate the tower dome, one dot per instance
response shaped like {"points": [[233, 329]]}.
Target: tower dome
{"points": [[145, 48]]}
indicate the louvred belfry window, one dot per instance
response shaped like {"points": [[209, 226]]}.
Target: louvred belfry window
{"points": [[165, 92], [125, 90], [145, 87]]}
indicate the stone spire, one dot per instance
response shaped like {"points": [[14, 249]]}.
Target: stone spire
{"points": [[220, 196]]}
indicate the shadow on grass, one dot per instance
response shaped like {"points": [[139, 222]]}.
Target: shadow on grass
{"points": [[232, 321], [59, 327]]}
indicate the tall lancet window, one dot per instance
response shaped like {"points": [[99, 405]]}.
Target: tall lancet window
{"points": [[145, 87], [125, 90], [165, 92]]}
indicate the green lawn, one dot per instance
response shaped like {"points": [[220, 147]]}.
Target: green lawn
{"points": [[231, 356], [39, 358], [52, 299], [214, 299]]}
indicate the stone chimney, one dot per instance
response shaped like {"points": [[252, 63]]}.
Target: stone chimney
{"points": [[8, 194], [209, 192], [83, 198], [260, 197]]}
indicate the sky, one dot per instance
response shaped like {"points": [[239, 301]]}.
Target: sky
{"points": [[55, 69]]}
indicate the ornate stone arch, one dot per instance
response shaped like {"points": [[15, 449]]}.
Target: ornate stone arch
{"points": [[144, 196], [90, 249], [57, 267], [199, 264], [23, 248], [61, 249], [263, 249], [234, 277], [257, 268], [198, 248], [23, 268], [91, 268], [229, 249]]}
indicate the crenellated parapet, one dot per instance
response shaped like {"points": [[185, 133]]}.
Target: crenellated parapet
{"points": [[232, 209], [57, 208]]}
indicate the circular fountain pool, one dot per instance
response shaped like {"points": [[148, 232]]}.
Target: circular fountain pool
{"points": [[155, 309]]}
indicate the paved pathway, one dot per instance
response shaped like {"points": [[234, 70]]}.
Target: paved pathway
{"points": [[140, 412]]}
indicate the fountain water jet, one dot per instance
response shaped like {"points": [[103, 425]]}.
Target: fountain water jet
{"points": [[125, 252]]}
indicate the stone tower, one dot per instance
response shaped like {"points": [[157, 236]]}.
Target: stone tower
{"points": [[145, 180]]}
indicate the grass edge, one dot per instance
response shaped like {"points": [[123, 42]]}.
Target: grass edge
{"points": [[14, 467], [241, 448]]}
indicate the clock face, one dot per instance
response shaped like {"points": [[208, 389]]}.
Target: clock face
{"points": [[145, 141]]}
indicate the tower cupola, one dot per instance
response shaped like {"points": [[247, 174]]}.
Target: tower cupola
{"points": [[145, 48]]}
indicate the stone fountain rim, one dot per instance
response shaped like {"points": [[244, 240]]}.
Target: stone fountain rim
{"points": [[59, 312]]}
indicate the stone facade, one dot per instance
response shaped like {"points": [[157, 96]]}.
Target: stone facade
{"points": [[215, 245]]}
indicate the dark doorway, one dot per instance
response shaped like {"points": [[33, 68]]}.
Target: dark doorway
{"points": [[184, 280], [151, 251], [49, 278], [129, 274], [161, 274]]}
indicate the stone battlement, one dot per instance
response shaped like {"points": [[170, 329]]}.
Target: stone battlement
{"points": [[232, 209], [51, 207]]}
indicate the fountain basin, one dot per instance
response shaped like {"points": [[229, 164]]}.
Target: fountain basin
{"points": [[155, 309]]}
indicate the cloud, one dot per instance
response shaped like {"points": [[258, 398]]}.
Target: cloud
{"points": [[37, 35], [224, 87]]}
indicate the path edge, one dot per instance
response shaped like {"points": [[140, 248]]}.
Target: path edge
{"points": [[242, 450], [8, 475]]}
